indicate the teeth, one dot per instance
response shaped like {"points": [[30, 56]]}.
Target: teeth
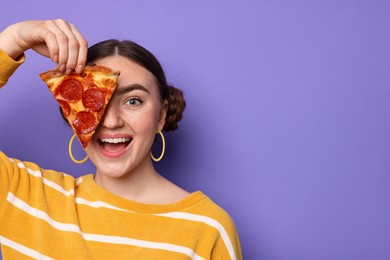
{"points": [[115, 140]]}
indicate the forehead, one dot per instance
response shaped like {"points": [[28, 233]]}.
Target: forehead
{"points": [[131, 72]]}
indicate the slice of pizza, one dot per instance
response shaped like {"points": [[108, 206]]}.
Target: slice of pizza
{"points": [[83, 97]]}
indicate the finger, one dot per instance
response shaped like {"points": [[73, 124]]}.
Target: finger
{"points": [[76, 44], [82, 51], [68, 46], [52, 45], [73, 46], [73, 52], [57, 41], [44, 51]]}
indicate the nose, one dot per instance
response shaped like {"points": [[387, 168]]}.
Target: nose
{"points": [[112, 118]]}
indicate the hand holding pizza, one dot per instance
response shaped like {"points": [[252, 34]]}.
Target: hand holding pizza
{"points": [[56, 39], [82, 96]]}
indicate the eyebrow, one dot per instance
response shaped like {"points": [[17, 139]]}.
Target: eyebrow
{"points": [[129, 88]]}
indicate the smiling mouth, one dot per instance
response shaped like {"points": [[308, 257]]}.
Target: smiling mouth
{"points": [[114, 144]]}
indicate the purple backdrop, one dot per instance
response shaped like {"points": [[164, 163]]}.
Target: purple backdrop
{"points": [[287, 125]]}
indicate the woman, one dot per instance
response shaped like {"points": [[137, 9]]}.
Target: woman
{"points": [[126, 210]]}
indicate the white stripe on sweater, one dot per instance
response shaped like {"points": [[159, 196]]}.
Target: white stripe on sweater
{"points": [[96, 204], [23, 249], [96, 237], [11, 198], [46, 181], [208, 221]]}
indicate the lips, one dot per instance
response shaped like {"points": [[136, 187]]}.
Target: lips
{"points": [[113, 146]]}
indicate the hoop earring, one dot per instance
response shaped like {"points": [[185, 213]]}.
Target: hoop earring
{"points": [[71, 154], [163, 148]]}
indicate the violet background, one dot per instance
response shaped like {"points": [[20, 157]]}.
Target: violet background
{"points": [[287, 125]]}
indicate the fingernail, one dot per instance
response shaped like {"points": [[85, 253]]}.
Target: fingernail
{"points": [[79, 69], [61, 67], [68, 71], [55, 58]]}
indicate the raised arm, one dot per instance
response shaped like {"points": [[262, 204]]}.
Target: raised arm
{"points": [[56, 39]]}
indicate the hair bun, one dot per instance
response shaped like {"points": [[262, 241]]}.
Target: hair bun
{"points": [[176, 105]]}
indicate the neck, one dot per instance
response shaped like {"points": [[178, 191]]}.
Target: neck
{"points": [[135, 185], [143, 185]]}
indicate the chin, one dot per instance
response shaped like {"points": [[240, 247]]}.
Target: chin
{"points": [[113, 171]]}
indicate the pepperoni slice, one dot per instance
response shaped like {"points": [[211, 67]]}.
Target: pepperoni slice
{"points": [[65, 107], [94, 99], [85, 122], [71, 89]]}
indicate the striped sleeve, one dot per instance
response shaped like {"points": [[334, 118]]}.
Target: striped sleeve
{"points": [[30, 226]]}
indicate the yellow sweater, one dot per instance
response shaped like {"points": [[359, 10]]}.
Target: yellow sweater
{"points": [[46, 214]]}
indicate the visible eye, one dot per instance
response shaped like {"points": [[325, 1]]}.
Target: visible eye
{"points": [[134, 102]]}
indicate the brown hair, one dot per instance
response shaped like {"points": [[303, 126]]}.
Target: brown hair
{"points": [[147, 60]]}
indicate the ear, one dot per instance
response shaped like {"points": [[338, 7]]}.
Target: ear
{"points": [[163, 115]]}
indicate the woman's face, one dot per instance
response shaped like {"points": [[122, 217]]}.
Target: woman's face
{"points": [[122, 141]]}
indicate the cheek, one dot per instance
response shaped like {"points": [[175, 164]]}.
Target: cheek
{"points": [[144, 120]]}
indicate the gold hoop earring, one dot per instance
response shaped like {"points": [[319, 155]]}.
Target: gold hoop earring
{"points": [[71, 154], [163, 148]]}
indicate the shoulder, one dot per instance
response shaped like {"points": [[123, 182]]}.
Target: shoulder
{"points": [[31, 174], [225, 233], [25, 184], [208, 208]]}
